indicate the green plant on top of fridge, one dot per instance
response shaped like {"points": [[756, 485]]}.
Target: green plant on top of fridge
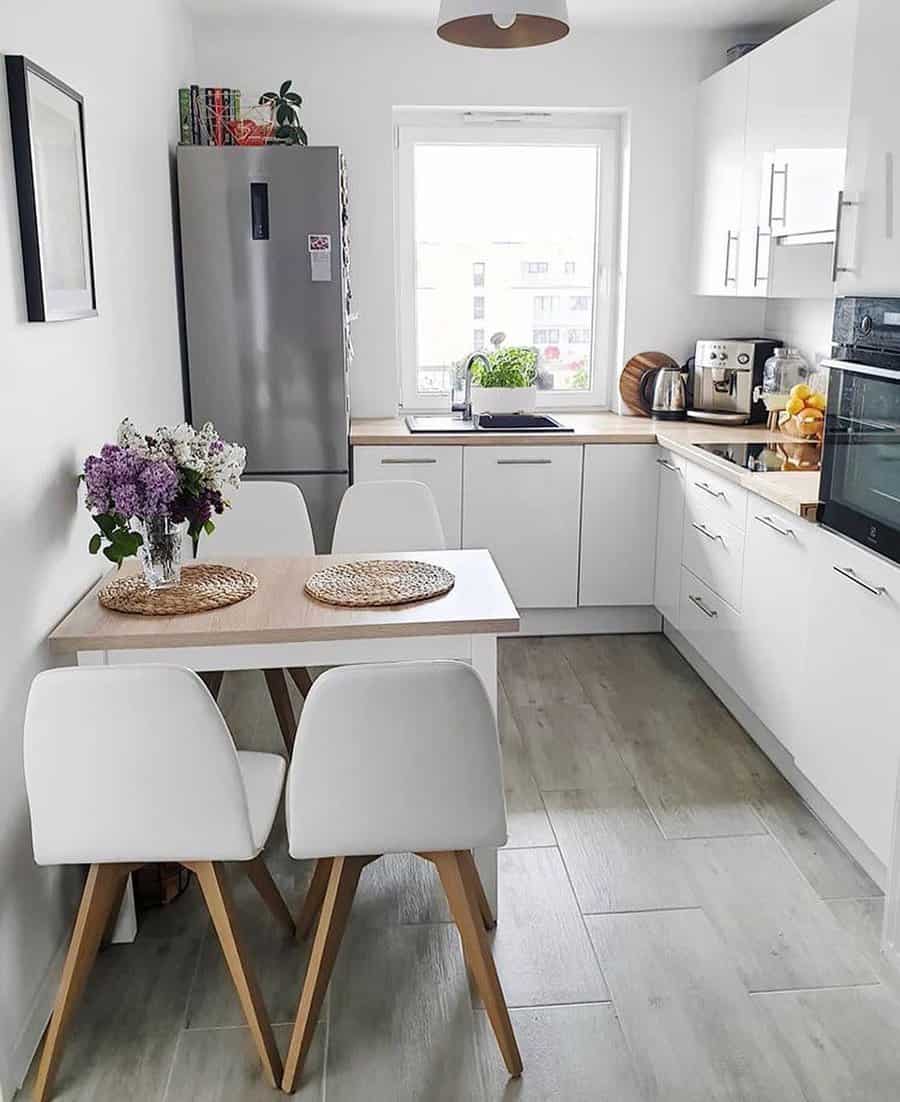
{"points": [[286, 106]]}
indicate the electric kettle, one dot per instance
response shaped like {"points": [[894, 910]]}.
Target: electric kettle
{"points": [[666, 393]]}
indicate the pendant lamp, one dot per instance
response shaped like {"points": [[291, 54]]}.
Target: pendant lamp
{"points": [[498, 25]]}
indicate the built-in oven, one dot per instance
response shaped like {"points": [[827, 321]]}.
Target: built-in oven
{"points": [[860, 487]]}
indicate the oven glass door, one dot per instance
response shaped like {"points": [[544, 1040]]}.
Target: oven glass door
{"points": [[861, 462]]}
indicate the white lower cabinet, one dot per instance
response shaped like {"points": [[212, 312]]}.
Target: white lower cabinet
{"points": [[669, 534], [440, 468], [778, 563], [524, 504], [712, 627], [618, 524], [849, 744]]}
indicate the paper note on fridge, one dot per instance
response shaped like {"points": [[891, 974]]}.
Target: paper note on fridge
{"points": [[320, 257]]}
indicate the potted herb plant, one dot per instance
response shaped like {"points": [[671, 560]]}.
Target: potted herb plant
{"points": [[508, 384]]}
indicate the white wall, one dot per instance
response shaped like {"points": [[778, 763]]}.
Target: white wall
{"points": [[351, 75], [64, 388], [802, 323]]}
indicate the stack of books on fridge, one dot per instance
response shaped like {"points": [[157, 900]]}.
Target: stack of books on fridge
{"points": [[204, 114]]}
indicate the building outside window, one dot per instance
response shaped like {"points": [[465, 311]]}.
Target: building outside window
{"points": [[579, 336], [478, 340], [538, 205]]}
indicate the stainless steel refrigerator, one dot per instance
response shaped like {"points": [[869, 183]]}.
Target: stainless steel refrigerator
{"points": [[265, 260]]}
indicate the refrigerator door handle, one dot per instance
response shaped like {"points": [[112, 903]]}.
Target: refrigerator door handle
{"points": [[259, 211]]}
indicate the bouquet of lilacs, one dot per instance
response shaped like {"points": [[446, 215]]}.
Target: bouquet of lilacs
{"points": [[181, 474]]}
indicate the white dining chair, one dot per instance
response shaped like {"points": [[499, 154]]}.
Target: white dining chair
{"points": [[395, 758], [130, 765], [265, 518], [388, 516]]}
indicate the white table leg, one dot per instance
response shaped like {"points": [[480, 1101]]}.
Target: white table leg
{"points": [[484, 660]]}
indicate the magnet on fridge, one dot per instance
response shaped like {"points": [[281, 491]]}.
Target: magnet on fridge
{"points": [[319, 245]]}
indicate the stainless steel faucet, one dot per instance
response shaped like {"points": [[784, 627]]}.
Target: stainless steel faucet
{"points": [[467, 400]]}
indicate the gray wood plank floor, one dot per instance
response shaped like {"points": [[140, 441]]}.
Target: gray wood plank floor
{"points": [[675, 925]]}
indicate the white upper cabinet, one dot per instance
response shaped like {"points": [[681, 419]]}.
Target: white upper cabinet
{"points": [[868, 252], [794, 98], [722, 113]]}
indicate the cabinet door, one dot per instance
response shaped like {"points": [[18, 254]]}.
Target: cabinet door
{"points": [[778, 564], [440, 468], [868, 249], [523, 504], [618, 524], [669, 534], [722, 109], [798, 107], [849, 746]]}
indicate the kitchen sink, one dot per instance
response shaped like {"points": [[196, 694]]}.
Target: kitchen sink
{"points": [[488, 422]]}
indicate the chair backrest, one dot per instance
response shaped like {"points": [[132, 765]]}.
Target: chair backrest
{"points": [[395, 758], [131, 763], [388, 516], [265, 518]]}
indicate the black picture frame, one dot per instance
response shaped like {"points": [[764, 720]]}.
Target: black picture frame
{"points": [[50, 158]]}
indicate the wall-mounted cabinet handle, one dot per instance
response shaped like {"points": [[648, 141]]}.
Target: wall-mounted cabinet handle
{"points": [[707, 489], [407, 462], [769, 523], [698, 601], [836, 268], [757, 278], [523, 462], [669, 466], [782, 218], [704, 531], [729, 278], [848, 572]]}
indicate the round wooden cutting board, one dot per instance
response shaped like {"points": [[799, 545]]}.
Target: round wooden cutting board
{"points": [[633, 375]]}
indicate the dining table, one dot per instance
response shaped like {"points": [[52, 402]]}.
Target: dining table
{"points": [[281, 627]]}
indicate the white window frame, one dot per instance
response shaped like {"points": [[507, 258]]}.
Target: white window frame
{"points": [[603, 130]]}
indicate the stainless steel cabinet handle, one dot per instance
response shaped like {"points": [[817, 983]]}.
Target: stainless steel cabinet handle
{"points": [[729, 278], [757, 278], [707, 489], [848, 572], [669, 466], [523, 462], [704, 531], [769, 523], [407, 462], [698, 601], [836, 267], [783, 216]]}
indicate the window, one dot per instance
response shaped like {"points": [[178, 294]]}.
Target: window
{"points": [[536, 205], [579, 336], [580, 302], [477, 340]]}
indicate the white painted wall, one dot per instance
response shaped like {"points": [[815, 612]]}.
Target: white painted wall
{"points": [[64, 388], [802, 323], [352, 74]]}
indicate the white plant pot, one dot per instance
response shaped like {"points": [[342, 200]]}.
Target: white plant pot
{"points": [[503, 399]]}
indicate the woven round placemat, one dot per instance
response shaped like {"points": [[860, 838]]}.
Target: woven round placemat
{"points": [[204, 586], [376, 582]]}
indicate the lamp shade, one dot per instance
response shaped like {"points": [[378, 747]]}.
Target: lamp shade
{"points": [[502, 24]]}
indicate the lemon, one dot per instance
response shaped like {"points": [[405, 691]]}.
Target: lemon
{"points": [[801, 391], [817, 401], [794, 405]]}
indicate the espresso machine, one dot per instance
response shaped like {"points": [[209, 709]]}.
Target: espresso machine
{"points": [[723, 379]]}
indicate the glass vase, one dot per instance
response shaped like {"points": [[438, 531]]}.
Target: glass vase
{"points": [[160, 553]]}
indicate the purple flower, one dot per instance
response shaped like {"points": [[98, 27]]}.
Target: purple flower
{"points": [[119, 481]]}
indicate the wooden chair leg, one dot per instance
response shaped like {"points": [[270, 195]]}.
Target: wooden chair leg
{"points": [[101, 891], [213, 883], [462, 895], [212, 679], [484, 908], [281, 701], [261, 879], [315, 897], [301, 679], [342, 883]]}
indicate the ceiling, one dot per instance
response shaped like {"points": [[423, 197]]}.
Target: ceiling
{"points": [[712, 14]]}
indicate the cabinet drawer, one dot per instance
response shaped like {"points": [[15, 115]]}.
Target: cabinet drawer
{"points": [[713, 550], [524, 505], [712, 627], [440, 468], [723, 499]]}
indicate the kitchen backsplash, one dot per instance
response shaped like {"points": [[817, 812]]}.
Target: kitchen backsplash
{"points": [[802, 323]]}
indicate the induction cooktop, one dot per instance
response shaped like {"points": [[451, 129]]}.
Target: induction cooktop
{"points": [[762, 458]]}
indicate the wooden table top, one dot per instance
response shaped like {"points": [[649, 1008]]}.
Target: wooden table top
{"points": [[281, 612]]}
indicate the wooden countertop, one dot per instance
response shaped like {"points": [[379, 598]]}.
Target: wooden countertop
{"points": [[281, 612], [796, 491]]}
